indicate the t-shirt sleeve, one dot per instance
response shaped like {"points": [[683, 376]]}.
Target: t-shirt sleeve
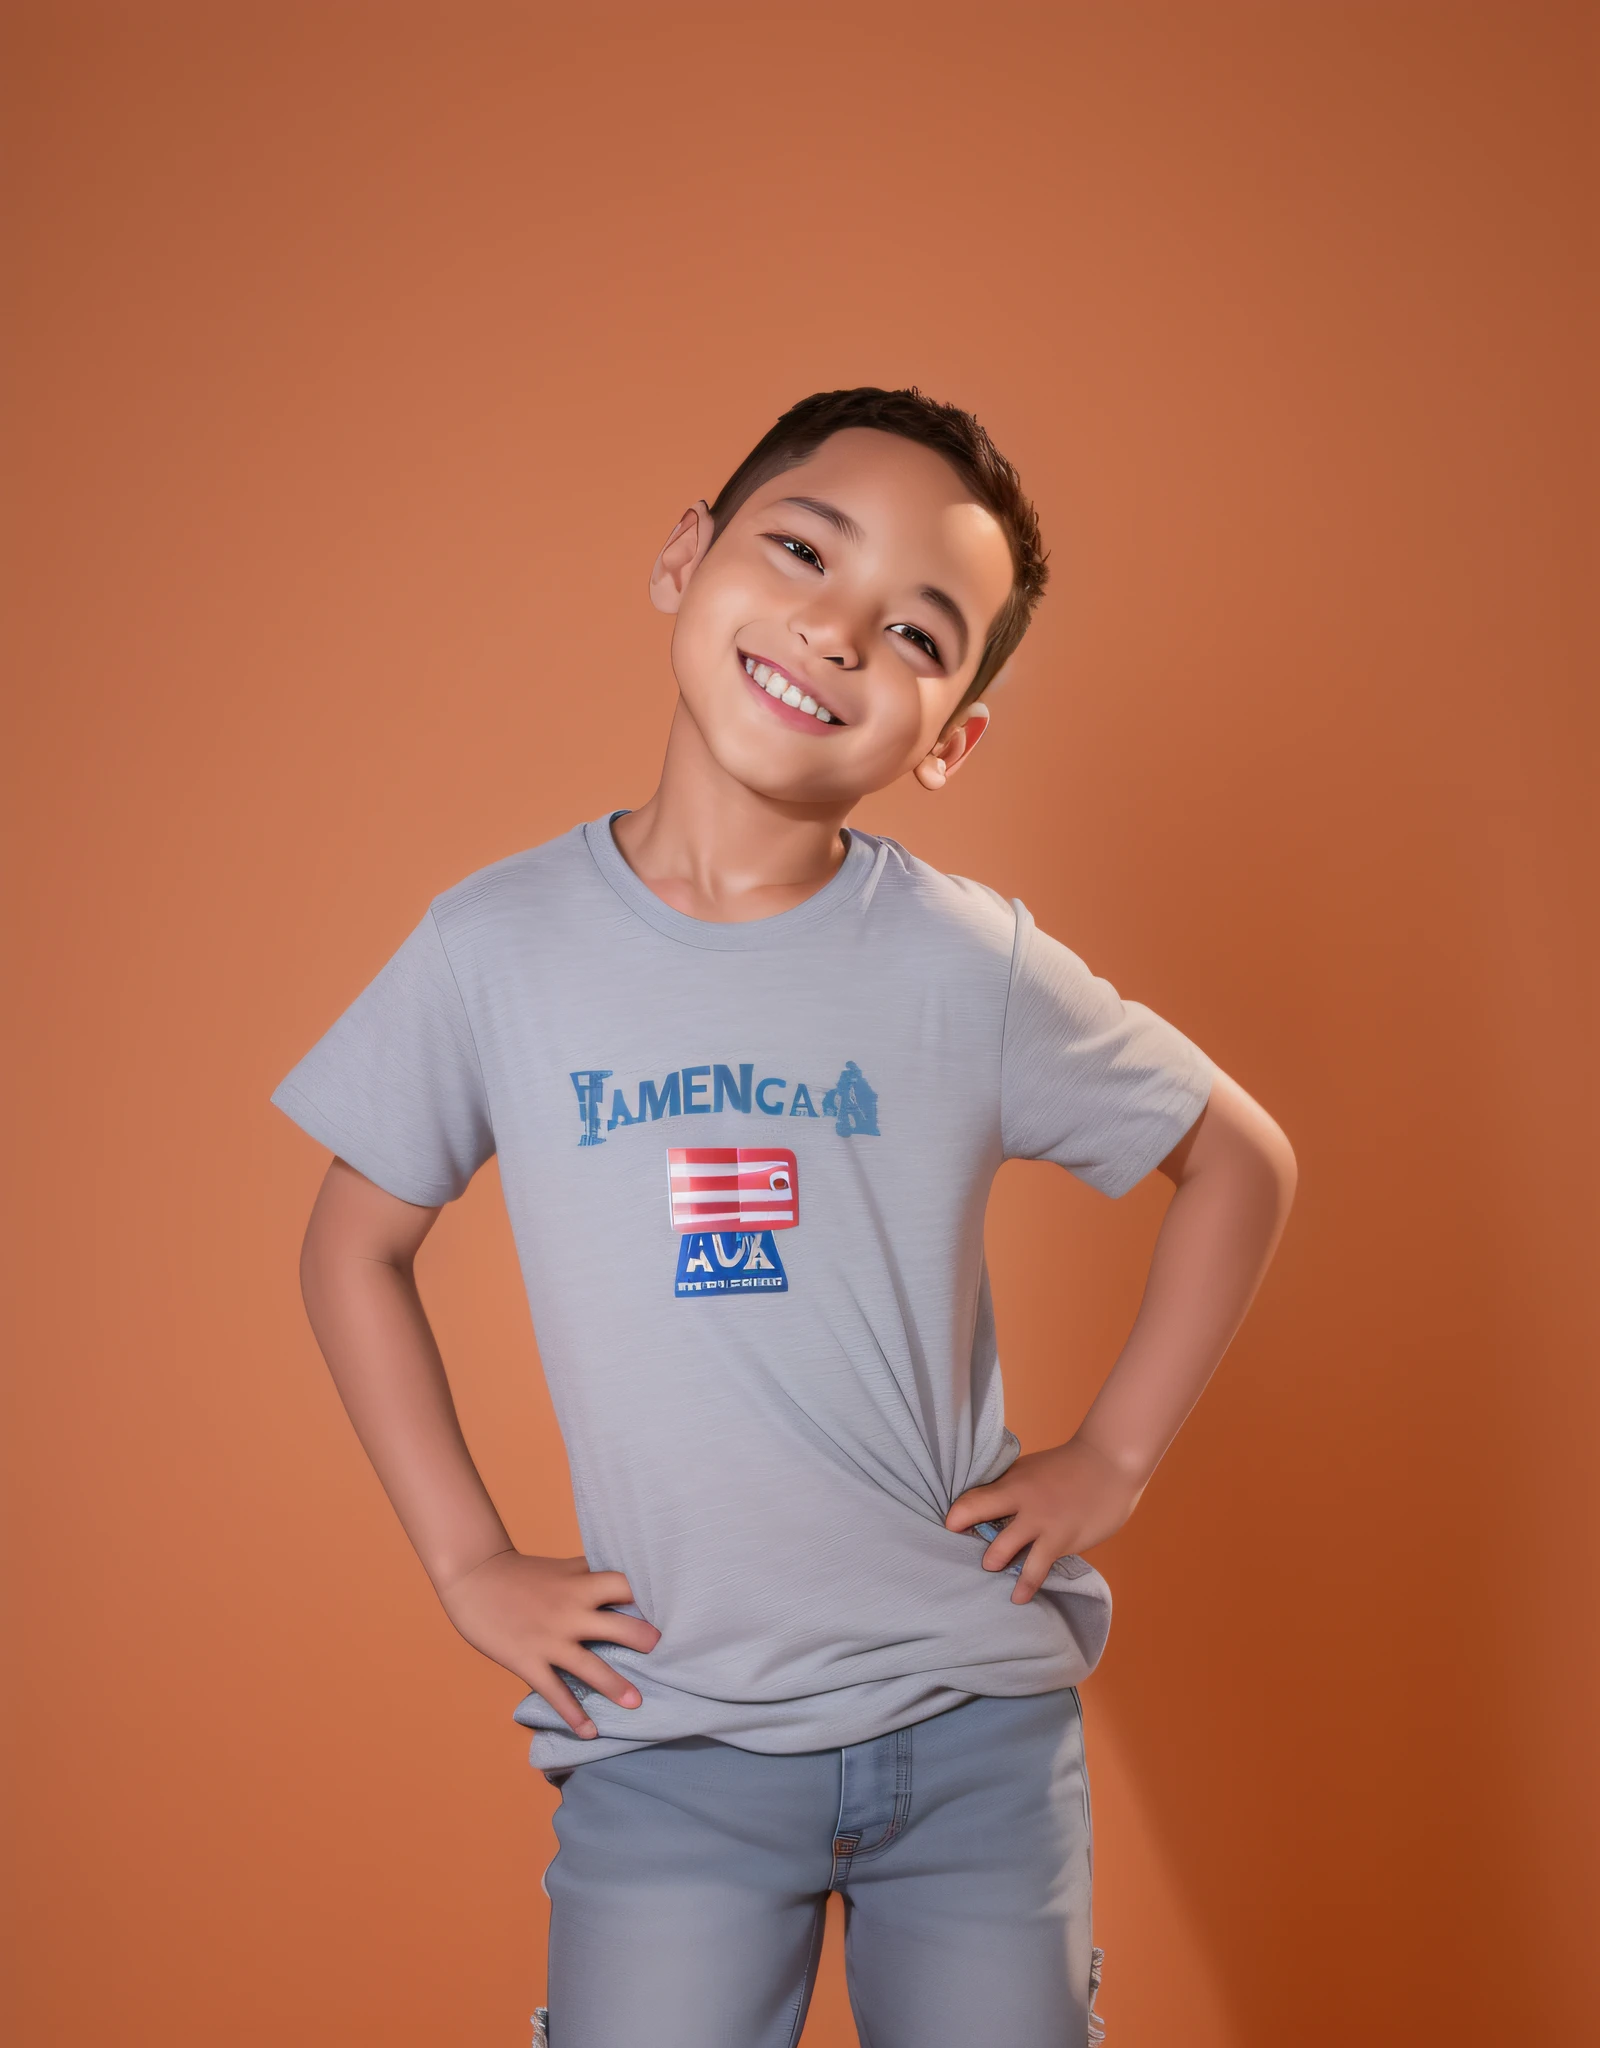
{"points": [[1102, 1086], [395, 1086]]}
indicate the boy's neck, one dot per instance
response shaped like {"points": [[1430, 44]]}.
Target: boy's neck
{"points": [[713, 848]]}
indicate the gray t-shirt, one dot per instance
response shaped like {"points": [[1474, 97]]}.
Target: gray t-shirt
{"points": [[746, 1166]]}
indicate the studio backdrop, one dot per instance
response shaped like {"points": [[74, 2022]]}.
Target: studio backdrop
{"points": [[360, 358]]}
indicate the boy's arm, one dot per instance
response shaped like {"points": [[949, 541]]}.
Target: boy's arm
{"points": [[530, 1614], [1235, 1178]]}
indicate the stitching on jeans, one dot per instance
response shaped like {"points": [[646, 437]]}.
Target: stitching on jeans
{"points": [[902, 1789], [900, 1811], [840, 1872]]}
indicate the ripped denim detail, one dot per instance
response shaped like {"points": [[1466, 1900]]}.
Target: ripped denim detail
{"points": [[1097, 2026], [541, 2026]]}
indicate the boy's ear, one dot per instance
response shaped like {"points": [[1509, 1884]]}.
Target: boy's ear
{"points": [[936, 767], [682, 555]]}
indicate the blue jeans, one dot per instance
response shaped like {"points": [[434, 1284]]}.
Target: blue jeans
{"points": [[689, 1888]]}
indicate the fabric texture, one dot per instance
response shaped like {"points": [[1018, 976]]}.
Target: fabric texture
{"points": [[688, 1891], [746, 1166]]}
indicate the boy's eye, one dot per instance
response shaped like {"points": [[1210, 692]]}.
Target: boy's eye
{"points": [[797, 548], [923, 640]]}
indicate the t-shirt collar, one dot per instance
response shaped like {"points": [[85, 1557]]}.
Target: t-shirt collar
{"points": [[863, 854]]}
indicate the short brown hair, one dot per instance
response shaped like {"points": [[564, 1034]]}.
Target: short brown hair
{"points": [[949, 432]]}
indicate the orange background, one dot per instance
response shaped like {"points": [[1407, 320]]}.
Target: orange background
{"points": [[365, 356]]}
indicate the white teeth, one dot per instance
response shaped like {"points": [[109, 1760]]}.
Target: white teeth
{"points": [[776, 684]]}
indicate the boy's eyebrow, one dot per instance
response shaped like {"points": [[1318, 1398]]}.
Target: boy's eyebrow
{"points": [[843, 523], [840, 521], [947, 603]]}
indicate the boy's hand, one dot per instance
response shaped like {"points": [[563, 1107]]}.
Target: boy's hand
{"points": [[534, 1615], [1058, 1501]]}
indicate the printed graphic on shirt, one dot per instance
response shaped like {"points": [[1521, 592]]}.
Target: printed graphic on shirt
{"points": [[727, 1187], [851, 1101], [729, 1262], [726, 1201], [852, 1104]]}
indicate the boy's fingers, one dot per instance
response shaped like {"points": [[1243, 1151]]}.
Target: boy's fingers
{"points": [[1004, 1547], [981, 1504], [1029, 1581], [609, 1589], [1037, 1566], [626, 1630], [555, 1694], [595, 1671]]}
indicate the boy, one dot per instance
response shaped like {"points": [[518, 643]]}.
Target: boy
{"points": [[749, 1075]]}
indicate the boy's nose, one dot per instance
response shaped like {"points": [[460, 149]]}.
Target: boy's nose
{"points": [[831, 636]]}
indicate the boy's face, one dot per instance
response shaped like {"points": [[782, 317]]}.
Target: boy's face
{"points": [[865, 580]]}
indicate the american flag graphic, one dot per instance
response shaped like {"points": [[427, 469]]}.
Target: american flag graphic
{"points": [[720, 1187]]}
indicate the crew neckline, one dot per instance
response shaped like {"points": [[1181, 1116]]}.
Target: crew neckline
{"points": [[863, 853]]}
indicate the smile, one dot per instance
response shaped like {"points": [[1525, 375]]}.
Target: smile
{"points": [[784, 691]]}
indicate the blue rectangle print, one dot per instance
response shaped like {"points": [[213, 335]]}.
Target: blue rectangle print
{"points": [[729, 1262]]}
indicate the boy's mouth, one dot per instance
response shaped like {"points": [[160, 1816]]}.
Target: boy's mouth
{"points": [[786, 695]]}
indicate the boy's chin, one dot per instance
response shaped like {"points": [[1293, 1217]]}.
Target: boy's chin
{"points": [[783, 781], [777, 769]]}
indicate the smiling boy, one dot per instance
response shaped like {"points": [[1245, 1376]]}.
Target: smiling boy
{"points": [[749, 1074]]}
